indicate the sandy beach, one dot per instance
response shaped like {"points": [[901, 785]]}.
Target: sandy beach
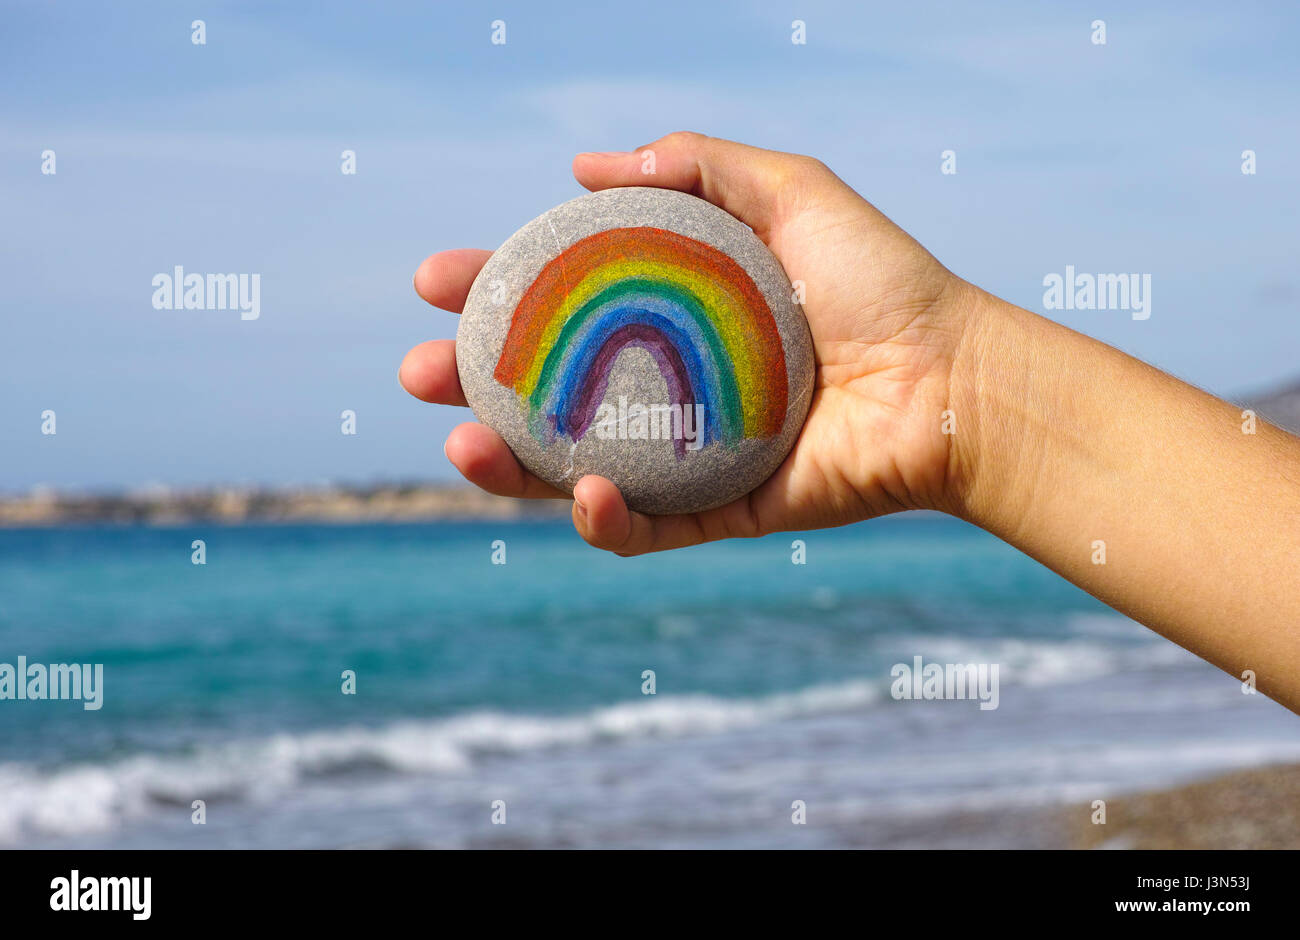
{"points": [[1250, 809]]}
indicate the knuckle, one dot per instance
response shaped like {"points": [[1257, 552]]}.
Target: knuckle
{"points": [[814, 166], [806, 169], [684, 138]]}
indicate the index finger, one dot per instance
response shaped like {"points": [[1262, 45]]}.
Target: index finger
{"points": [[444, 279]]}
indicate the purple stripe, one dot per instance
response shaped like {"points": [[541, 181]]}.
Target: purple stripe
{"points": [[592, 391]]}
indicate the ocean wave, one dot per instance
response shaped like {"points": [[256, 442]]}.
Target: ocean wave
{"points": [[1089, 652], [98, 797], [95, 798]]}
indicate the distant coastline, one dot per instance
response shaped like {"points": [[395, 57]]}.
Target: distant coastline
{"points": [[344, 503], [407, 502]]}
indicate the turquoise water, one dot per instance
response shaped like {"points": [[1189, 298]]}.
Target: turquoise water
{"points": [[222, 682]]}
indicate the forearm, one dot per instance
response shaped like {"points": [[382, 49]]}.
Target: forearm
{"points": [[1140, 489]]}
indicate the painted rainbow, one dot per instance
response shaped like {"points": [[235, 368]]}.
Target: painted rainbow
{"points": [[689, 305]]}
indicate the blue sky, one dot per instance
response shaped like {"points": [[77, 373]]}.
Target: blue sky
{"points": [[225, 158]]}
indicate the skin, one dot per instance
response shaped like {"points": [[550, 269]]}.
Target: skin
{"points": [[1057, 442]]}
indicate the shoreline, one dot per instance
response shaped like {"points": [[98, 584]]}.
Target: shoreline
{"points": [[393, 503], [396, 502]]}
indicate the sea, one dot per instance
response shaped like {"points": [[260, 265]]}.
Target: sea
{"points": [[502, 684]]}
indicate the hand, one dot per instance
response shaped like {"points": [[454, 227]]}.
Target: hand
{"points": [[887, 323]]}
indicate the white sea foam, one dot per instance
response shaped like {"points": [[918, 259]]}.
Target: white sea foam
{"points": [[93, 798]]}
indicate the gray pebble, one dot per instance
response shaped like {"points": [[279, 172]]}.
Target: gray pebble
{"points": [[639, 334]]}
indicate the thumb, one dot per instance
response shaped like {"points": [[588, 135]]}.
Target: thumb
{"points": [[740, 179]]}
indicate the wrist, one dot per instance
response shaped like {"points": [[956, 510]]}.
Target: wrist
{"points": [[985, 428]]}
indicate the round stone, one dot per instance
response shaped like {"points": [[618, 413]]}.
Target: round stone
{"points": [[643, 335]]}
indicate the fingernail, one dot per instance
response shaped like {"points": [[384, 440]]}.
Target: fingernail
{"points": [[582, 510], [606, 153]]}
